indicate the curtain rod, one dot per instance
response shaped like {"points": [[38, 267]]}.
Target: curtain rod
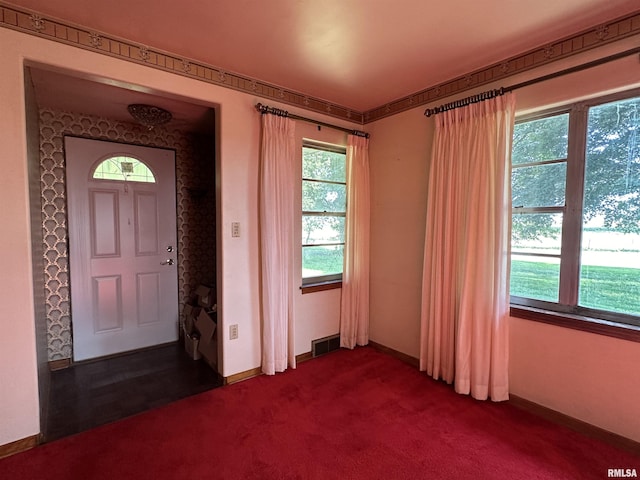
{"points": [[463, 102], [283, 113], [501, 91]]}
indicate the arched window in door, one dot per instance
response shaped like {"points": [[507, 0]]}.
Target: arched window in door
{"points": [[123, 168]]}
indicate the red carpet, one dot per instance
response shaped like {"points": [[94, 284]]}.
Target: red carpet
{"points": [[349, 415]]}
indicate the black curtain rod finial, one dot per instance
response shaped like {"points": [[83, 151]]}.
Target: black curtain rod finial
{"points": [[272, 110]]}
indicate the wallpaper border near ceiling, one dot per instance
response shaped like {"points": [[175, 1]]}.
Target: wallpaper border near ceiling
{"points": [[28, 21], [34, 23], [597, 36]]}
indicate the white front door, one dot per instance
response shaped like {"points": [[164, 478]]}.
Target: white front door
{"points": [[122, 246]]}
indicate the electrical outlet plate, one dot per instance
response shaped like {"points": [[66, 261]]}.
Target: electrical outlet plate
{"points": [[233, 332]]}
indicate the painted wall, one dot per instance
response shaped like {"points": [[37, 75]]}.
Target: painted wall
{"points": [[38, 265], [238, 133], [590, 377], [19, 409], [399, 158]]}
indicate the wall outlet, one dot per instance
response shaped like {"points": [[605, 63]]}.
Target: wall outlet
{"points": [[233, 331], [235, 229]]}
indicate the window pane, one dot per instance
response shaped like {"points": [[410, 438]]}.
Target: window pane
{"points": [[536, 233], [319, 261], [535, 277], [324, 191], [612, 173], [323, 197], [323, 165], [539, 185], [615, 289], [316, 229], [610, 273], [540, 140], [123, 168]]}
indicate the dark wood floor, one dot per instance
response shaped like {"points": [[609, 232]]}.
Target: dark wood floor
{"points": [[90, 394]]}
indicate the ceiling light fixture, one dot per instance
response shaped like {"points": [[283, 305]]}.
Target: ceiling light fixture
{"points": [[148, 115]]}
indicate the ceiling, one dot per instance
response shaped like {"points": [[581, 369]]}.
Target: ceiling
{"points": [[103, 98], [359, 54]]}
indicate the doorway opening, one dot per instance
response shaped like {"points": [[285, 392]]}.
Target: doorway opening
{"points": [[60, 105]]}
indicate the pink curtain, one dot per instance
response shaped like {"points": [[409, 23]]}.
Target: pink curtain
{"points": [[354, 307], [465, 288], [277, 242]]}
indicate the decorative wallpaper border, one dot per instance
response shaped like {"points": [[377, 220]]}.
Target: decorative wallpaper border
{"points": [[595, 37], [26, 21]]}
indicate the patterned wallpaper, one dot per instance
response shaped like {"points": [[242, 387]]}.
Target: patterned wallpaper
{"points": [[195, 209]]}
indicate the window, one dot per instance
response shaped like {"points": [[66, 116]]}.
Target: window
{"points": [[324, 197], [576, 210], [123, 168]]}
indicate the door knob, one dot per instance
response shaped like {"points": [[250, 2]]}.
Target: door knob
{"points": [[168, 261]]}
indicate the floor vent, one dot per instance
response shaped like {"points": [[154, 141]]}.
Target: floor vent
{"points": [[325, 345]]}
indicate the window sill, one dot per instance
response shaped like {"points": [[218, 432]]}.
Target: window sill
{"points": [[319, 287], [577, 322]]}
